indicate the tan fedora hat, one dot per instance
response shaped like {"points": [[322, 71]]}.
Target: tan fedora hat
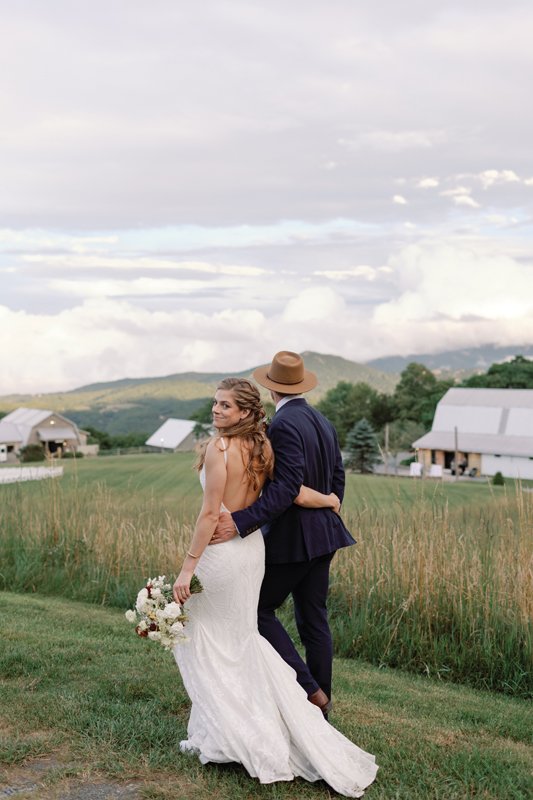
{"points": [[286, 374]]}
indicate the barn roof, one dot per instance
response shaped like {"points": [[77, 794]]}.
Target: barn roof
{"points": [[497, 421], [9, 433], [171, 433], [26, 419]]}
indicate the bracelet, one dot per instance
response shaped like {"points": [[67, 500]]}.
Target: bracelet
{"points": [[192, 554]]}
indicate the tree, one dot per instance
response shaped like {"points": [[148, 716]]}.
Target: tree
{"points": [[203, 418], [402, 434], [362, 447], [346, 404], [101, 438], [515, 374], [108, 442], [417, 394]]}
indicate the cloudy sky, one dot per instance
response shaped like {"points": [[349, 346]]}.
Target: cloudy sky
{"points": [[194, 186]]}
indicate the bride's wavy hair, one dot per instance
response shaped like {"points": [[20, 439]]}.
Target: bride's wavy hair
{"points": [[251, 429]]}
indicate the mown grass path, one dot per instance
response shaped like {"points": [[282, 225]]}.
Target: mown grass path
{"points": [[76, 683]]}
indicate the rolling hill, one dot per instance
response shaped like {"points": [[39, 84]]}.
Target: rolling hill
{"points": [[141, 404]]}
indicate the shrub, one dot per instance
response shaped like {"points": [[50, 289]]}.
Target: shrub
{"points": [[32, 452], [498, 479]]}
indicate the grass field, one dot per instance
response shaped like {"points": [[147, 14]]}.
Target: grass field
{"points": [[440, 582], [81, 690]]}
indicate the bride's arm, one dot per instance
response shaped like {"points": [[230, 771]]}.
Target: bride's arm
{"points": [[215, 482], [310, 498]]}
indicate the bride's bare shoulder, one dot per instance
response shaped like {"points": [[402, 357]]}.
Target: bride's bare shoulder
{"points": [[217, 444]]}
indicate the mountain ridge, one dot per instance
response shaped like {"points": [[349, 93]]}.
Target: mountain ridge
{"points": [[141, 404], [457, 363]]}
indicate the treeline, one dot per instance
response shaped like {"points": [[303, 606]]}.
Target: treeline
{"points": [[114, 442], [408, 413]]}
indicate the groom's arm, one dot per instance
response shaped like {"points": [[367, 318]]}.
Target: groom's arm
{"points": [[282, 490]]}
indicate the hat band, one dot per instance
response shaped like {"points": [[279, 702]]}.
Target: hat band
{"points": [[285, 379]]}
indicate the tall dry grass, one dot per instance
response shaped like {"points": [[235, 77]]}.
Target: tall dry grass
{"points": [[440, 591], [448, 592]]}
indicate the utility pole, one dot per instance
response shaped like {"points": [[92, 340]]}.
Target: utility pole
{"points": [[456, 443]]}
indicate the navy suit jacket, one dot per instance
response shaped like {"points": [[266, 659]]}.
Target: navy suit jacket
{"points": [[306, 452]]}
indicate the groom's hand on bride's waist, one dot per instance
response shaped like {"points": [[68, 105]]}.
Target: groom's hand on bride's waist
{"points": [[225, 529]]}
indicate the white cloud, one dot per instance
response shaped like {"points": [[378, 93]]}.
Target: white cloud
{"points": [[427, 183], [363, 271], [106, 339], [491, 177], [399, 200], [458, 191], [461, 196], [140, 287], [317, 304], [465, 200], [111, 262], [444, 281]]}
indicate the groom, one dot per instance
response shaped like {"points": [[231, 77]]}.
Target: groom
{"points": [[300, 542]]}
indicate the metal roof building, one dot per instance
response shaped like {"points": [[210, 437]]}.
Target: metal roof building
{"points": [[38, 426], [174, 434], [491, 429]]}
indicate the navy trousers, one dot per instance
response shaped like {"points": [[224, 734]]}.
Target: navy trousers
{"points": [[308, 582]]}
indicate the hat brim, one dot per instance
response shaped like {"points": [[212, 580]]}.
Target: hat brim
{"points": [[309, 382]]}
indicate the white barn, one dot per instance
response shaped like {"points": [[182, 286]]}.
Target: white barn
{"points": [[38, 426], [174, 435], [494, 432]]}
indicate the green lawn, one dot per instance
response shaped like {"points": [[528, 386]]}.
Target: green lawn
{"points": [[79, 685], [171, 478]]}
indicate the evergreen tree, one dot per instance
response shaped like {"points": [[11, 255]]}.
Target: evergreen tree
{"points": [[362, 447]]}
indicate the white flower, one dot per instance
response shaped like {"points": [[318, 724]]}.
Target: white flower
{"points": [[155, 636], [142, 597], [131, 616], [176, 628], [156, 593], [142, 625], [172, 610]]}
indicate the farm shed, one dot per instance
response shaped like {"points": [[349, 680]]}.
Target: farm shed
{"points": [[174, 435], [38, 426], [491, 429]]}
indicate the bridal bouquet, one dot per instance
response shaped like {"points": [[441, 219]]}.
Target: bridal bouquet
{"points": [[156, 615]]}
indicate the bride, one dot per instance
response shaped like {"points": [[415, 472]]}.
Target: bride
{"points": [[247, 706]]}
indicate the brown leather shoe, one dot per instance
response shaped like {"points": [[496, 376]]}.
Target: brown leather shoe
{"points": [[320, 699]]}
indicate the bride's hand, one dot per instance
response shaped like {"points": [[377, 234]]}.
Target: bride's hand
{"points": [[225, 529], [182, 587]]}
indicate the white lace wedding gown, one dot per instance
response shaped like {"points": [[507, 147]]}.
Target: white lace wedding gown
{"points": [[247, 706]]}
